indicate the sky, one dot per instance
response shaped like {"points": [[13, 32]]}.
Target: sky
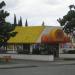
{"points": [[37, 11]]}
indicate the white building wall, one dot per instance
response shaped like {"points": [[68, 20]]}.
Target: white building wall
{"points": [[30, 57]]}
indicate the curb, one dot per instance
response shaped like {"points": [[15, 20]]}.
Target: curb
{"points": [[18, 66]]}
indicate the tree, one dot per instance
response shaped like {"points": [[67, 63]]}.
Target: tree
{"points": [[6, 29], [68, 21], [71, 6], [20, 22], [26, 23], [43, 24], [15, 21]]}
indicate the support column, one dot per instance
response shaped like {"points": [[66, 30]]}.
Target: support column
{"points": [[14, 49], [22, 46], [31, 49]]}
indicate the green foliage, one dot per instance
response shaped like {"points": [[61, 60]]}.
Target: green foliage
{"points": [[20, 22], [15, 21], [68, 21], [5, 27], [26, 23], [2, 4], [43, 24], [71, 6]]}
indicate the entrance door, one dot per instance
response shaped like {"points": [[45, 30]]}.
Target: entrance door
{"points": [[54, 48], [26, 48]]}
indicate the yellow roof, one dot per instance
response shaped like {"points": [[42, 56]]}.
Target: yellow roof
{"points": [[26, 34]]}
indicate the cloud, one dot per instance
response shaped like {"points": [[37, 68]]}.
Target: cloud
{"points": [[52, 2], [38, 10]]}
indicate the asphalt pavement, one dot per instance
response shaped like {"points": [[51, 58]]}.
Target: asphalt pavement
{"points": [[30, 67], [33, 63]]}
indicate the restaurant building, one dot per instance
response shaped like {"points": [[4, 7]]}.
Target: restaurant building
{"points": [[37, 40]]}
